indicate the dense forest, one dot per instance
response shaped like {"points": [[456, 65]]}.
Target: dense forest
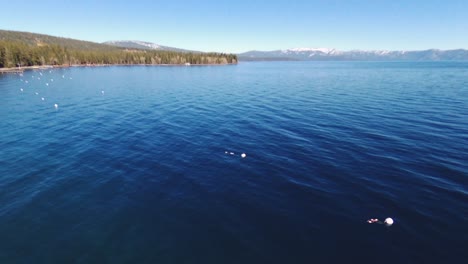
{"points": [[29, 49]]}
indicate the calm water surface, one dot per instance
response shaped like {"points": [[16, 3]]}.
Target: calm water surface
{"points": [[132, 166]]}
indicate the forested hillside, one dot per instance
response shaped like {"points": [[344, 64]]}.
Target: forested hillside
{"points": [[29, 49]]}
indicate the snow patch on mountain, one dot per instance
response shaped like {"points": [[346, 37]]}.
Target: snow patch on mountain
{"points": [[323, 50], [147, 44], [308, 50], [135, 42]]}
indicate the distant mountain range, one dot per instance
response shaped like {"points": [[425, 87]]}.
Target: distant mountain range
{"points": [[325, 54], [143, 45]]}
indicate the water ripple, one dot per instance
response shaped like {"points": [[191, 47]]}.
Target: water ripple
{"points": [[140, 174]]}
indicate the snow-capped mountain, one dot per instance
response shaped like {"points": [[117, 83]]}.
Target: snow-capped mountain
{"points": [[136, 44], [310, 50], [324, 54]]}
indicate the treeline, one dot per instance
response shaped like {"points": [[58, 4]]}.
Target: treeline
{"points": [[15, 53]]}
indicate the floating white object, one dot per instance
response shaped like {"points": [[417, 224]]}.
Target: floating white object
{"points": [[42, 98], [388, 221], [26, 81], [102, 92], [63, 76], [47, 84], [51, 80], [243, 155], [232, 153], [37, 93], [21, 89], [56, 106]]}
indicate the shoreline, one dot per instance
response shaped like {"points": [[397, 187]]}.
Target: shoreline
{"points": [[41, 67]]}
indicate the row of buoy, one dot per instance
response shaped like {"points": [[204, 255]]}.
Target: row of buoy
{"points": [[47, 84]]}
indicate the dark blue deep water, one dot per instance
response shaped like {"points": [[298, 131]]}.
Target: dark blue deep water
{"points": [[131, 167]]}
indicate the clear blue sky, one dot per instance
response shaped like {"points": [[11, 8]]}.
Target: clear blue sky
{"points": [[238, 26]]}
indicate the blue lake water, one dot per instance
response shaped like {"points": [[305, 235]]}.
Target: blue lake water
{"points": [[131, 167]]}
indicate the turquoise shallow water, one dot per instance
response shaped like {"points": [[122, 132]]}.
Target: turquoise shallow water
{"points": [[131, 166]]}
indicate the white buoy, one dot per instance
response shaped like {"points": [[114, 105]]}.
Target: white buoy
{"points": [[388, 221], [42, 98], [102, 92], [47, 84], [21, 89], [243, 155], [56, 106]]}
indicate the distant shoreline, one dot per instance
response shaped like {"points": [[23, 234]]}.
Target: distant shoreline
{"points": [[41, 67]]}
